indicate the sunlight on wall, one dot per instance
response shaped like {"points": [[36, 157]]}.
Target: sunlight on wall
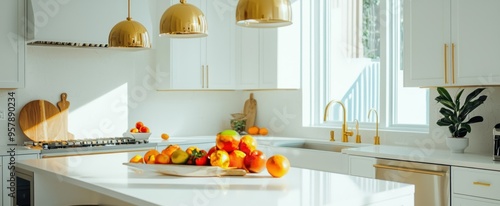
{"points": [[105, 116]]}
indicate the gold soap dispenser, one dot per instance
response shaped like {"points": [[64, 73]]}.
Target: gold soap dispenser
{"points": [[358, 136]]}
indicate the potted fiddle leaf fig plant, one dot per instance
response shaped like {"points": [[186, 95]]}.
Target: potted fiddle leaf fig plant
{"points": [[456, 116]]}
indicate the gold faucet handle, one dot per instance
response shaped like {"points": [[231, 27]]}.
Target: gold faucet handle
{"points": [[332, 135], [349, 133]]}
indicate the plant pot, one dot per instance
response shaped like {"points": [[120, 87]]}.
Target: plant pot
{"points": [[457, 145]]}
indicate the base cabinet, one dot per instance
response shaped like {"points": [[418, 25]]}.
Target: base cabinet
{"points": [[362, 166], [460, 200], [475, 187], [6, 176]]}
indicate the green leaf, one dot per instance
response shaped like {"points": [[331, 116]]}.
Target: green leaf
{"points": [[473, 94], [446, 112], [466, 126], [461, 132], [444, 93], [452, 130], [448, 104], [469, 107], [444, 122], [475, 119], [457, 99]]}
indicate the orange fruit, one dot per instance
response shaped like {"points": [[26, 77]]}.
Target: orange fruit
{"points": [[162, 159], [277, 165], [263, 131], [170, 149], [134, 130], [253, 130], [138, 125], [247, 144], [236, 158], [150, 154], [136, 159], [165, 136]]}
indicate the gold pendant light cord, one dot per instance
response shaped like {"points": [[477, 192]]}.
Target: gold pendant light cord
{"points": [[128, 17]]}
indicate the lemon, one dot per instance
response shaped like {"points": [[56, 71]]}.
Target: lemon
{"points": [[179, 157]]}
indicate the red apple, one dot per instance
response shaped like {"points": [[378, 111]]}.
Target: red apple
{"points": [[228, 140], [247, 144], [255, 161]]}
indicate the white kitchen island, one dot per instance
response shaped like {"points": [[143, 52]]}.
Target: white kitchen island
{"points": [[104, 180]]}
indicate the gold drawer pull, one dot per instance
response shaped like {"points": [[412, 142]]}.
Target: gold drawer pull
{"points": [[482, 184]]}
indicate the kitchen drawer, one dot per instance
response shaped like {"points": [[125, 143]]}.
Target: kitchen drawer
{"points": [[476, 182], [462, 200]]}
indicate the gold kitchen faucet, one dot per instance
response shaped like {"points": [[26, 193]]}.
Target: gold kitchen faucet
{"points": [[376, 139], [345, 132]]}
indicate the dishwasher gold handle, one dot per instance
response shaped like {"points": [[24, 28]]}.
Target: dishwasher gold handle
{"points": [[482, 184], [404, 169]]}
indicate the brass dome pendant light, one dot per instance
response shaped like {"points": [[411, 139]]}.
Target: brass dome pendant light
{"points": [[129, 33], [263, 13], [183, 20]]}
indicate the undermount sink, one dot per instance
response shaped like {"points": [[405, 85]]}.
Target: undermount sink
{"points": [[320, 145]]}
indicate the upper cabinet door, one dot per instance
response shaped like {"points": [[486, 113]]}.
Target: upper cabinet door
{"points": [[426, 42], [200, 63], [451, 43], [475, 33], [13, 44], [220, 44]]}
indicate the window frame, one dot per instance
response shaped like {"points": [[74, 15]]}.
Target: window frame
{"points": [[315, 82]]}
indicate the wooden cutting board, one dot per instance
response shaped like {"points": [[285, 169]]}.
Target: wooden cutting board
{"points": [[40, 120], [63, 106], [250, 111], [188, 170]]}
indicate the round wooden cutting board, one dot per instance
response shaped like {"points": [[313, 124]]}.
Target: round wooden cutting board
{"points": [[40, 120]]}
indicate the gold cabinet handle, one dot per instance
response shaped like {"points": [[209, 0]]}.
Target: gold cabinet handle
{"points": [[404, 169], [482, 184], [453, 63], [446, 63]]}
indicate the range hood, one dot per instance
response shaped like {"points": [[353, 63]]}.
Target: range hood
{"points": [[80, 23]]}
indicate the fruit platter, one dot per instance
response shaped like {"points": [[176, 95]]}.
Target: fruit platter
{"points": [[189, 170], [232, 155]]}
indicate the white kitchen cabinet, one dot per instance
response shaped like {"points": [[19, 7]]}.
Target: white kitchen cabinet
{"points": [[6, 175], [13, 44], [362, 166], [200, 63], [451, 42], [270, 58], [475, 186]]}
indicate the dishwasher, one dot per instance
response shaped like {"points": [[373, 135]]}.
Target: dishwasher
{"points": [[432, 182]]}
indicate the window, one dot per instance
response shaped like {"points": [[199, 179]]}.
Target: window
{"points": [[356, 57]]}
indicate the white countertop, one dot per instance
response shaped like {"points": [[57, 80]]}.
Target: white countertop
{"points": [[427, 155], [105, 174]]}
